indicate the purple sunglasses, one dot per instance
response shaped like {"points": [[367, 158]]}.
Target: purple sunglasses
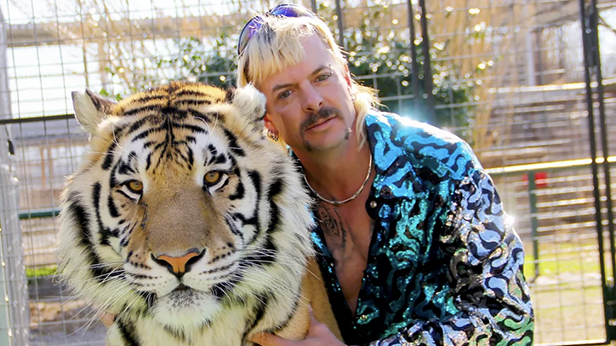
{"points": [[282, 10]]}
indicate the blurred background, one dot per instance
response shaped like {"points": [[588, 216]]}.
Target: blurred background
{"points": [[530, 84]]}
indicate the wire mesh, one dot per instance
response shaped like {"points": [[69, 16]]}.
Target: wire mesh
{"points": [[13, 306], [508, 78]]}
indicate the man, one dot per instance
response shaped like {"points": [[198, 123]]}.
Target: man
{"points": [[414, 245]]}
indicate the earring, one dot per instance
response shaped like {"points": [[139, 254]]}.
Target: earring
{"points": [[273, 135]]}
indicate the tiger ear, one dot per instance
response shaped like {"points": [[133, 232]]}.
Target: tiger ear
{"points": [[251, 104], [90, 109]]}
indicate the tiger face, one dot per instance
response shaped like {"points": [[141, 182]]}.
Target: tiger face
{"points": [[185, 220]]}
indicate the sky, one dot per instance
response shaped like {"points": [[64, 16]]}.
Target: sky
{"points": [[24, 11]]}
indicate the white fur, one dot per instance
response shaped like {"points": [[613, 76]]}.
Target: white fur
{"points": [[86, 112]]}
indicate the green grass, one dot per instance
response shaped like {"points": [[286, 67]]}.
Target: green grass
{"points": [[561, 258], [41, 271], [567, 296]]}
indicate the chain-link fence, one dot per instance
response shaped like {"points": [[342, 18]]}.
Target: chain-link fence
{"points": [[506, 75]]}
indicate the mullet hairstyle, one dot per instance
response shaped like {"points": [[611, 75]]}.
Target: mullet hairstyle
{"points": [[276, 46]]}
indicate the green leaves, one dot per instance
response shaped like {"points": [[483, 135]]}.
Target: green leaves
{"points": [[381, 58]]}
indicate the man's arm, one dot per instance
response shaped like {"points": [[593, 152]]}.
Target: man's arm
{"points": [[488, 287]]}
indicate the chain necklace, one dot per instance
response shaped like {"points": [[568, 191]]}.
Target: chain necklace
{"points": [[336, 203]]}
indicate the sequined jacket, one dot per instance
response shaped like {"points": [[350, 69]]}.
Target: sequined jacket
{"points": [[444, 265]]}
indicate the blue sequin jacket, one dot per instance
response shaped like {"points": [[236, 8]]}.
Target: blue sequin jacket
{"points": [[444, 265]]}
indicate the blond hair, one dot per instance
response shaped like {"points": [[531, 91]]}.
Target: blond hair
{"points": [[276, 46]]}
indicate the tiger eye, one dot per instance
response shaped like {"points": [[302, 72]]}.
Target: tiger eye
{"points": [[212, 177], [135, 186]]}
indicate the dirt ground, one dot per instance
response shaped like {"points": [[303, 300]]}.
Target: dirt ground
{"points": [[64, 323]]}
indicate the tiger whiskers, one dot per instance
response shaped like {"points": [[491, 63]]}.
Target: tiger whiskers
{"points": [[288, 261], [128, 307], [238, 291], [117, 298], [274, 286], [107, 265], [91, 317], [227, 289], [106, 277], [272, 283], [93, 284], [114, 151], [98, 310], [261, 251]]}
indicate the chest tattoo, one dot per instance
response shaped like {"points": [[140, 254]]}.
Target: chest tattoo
{"points": [[331, 222]]}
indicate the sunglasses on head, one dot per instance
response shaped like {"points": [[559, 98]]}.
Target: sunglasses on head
{"points": [[253, 25]]}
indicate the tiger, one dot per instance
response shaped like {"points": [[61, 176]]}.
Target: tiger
{"points": [[187, 223]]}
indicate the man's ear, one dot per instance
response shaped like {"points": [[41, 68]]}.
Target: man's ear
{"points": [[347, 74], [90, 109], [273, 133]]}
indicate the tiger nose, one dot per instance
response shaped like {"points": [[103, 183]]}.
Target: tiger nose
{"points": [[178, 265]]}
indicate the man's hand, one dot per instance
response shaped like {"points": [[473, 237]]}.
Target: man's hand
{"points": [[318, 335], [106, 318]]}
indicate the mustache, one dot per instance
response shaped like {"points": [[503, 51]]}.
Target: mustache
{"points": [[323, 113]]}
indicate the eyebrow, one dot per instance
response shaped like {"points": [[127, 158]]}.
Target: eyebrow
{"points": [[316, 71]]}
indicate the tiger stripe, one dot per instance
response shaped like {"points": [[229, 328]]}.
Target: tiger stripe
{"points": [[127, 329], [85, 241], [109, 156], [258, 311], [104, 231]]}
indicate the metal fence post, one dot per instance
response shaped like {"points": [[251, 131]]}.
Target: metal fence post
{"points": [[414, 64], [591, 65], [534, 224], [428, 79], [14, 311], [593, 37], [340, 24]]}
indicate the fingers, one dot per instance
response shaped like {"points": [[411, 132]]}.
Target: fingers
{"points": [[106, 318], [315, 325], [316, 330], [313, 320], [264, 339]]}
